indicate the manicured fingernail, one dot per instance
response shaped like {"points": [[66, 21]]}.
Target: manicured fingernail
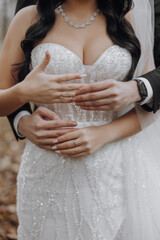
{"points": [[83, 75], [55, 141], [54, 148], [57, 151], [75, 123]]}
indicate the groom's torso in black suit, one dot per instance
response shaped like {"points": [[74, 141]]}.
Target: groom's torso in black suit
{"points": [[157, 33], [153, 77]]}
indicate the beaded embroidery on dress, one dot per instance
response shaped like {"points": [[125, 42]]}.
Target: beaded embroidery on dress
{"points": [[64, 199]]}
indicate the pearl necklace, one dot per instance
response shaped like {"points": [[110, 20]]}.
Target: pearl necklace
{"points": [[77, 26]]}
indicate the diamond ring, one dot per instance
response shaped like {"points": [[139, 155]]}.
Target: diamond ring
{"points": [[75, 143], [61, 95]]}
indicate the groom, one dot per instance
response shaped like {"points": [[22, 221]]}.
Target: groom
{"points": [[115, 96]]}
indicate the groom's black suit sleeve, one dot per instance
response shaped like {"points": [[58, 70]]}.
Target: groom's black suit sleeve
{"points": [[154, 79], [154, 76], [12, 116], [20, 4]]}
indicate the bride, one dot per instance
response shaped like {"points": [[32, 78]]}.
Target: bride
{"points": [[93, 185]]}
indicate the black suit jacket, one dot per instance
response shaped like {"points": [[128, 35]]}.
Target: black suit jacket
{"points": [[153, 77]]}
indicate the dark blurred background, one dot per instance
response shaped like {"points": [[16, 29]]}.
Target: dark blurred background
{"points": [[10, 150]]}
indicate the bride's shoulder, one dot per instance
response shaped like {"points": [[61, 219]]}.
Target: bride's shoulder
{"points": [[19, 26], [21, 22], [26, 16]]}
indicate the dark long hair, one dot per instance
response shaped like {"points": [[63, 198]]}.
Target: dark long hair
{"points": [[118, 28]]}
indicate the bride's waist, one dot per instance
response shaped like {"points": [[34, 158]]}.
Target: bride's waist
{"points": [[82, 117]]}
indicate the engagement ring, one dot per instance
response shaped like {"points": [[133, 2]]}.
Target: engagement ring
{"points": [[75, 143]]}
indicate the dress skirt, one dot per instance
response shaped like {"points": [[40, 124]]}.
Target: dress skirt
{"points": [[113, 194]]}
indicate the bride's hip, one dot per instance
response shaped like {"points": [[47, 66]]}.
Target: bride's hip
{"points": [[39, 162], [35, 153]]}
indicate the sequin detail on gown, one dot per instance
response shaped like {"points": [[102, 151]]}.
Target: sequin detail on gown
{"points": [[63, 199]]}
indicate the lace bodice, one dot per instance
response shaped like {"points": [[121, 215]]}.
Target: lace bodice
{"points": [[114, 63]]}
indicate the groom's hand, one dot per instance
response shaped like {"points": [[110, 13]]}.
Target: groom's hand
{"points": [[43, 127], [110, 95]]}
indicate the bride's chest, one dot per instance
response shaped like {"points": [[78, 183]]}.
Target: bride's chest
{"points": [[115, 62]]}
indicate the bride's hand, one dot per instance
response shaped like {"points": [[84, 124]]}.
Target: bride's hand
{"points": [[43, 126], [44, 88], [80, 143]]}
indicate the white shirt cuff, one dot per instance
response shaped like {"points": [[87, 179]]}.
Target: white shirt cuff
{"points": [[149, 98], [16, 120]]}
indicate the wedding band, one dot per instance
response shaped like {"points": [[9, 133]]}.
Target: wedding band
{"points": [[75, 143]]}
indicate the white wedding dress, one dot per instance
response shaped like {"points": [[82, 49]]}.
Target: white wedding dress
{"points": [[113, 194]]}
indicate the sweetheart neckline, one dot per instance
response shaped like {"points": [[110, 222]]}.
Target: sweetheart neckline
{"points": [[74, 54]]}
